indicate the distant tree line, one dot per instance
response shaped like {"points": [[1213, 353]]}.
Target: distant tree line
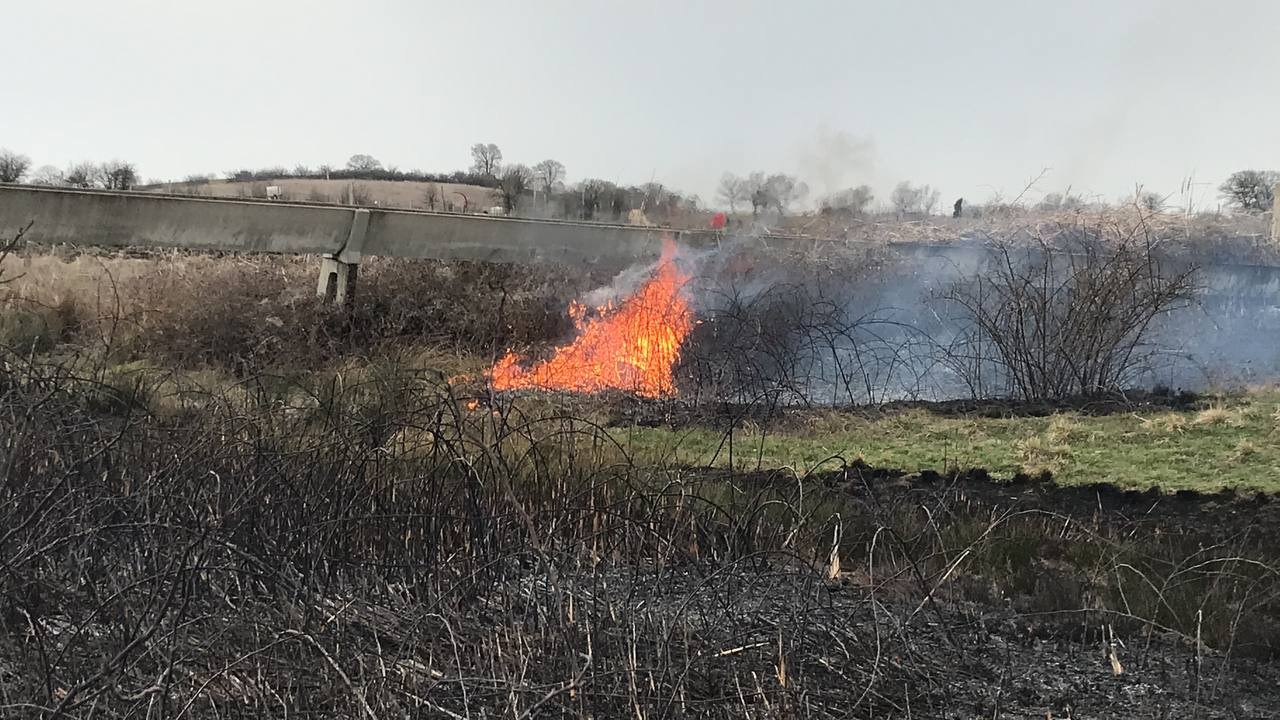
{"points": [[776, 192], [1252, 191], [543, 189], [110, 175], [348, 172]]}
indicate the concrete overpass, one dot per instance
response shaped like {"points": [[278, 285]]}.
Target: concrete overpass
{"points": [[341, 235]]}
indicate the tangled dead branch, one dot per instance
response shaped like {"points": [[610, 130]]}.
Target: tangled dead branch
{"points": [[1070, 314]]}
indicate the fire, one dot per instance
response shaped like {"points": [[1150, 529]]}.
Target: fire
{"points": [[630, 346]]}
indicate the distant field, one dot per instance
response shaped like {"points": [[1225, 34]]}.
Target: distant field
{"points": [[385, 193]]}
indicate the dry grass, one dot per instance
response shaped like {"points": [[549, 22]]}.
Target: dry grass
{"points": [[88, 281], [259, 313], [1215, 415], [1207, 236], [1244, 450], [1061, 428], [1041, 453], [1171, 422]]}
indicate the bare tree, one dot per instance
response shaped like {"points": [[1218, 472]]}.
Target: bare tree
{"points": [[83, 175], [486, 159], [853, 201], [1252, 191], [13, 166], [48, 175], [591, 191], [777, 191], [654, 195], [929, 199], [909, 199], [363, 163], [118, 175], [549, 174], [732, 190], [784, 190], [904, 198], [515, 180], [757, 192]]}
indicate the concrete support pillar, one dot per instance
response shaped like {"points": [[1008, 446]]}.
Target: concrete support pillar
{"points": [[338, 271], [1275, 216], [337, 280]]}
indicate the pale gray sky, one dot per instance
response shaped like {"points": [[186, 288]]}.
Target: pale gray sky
{"points": [[968, 96]]}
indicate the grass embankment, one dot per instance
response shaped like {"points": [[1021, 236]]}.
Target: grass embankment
{"points": [[1230, 441]]}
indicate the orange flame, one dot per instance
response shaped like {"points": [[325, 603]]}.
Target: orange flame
{"points": [[631, 346]]}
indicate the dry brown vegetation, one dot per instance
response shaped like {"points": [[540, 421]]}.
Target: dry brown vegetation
{"points": [[260, 314], [1207, 237]]}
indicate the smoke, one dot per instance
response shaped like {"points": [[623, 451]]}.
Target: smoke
{"points": [[834, 160], [847, 323]]}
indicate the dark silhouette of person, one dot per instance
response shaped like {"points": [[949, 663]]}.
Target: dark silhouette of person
{"points": [[957, 208]]}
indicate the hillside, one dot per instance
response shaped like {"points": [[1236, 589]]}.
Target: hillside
{"points": [[384, 193]]}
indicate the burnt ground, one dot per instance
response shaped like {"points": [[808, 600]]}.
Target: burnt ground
{"points": [[853, 652], [882, 641], [630, 410], [984, 644], [760, 634]]}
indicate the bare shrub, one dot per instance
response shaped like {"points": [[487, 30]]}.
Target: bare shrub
{"points": [[800, 344], [1063, 314], [8, 246], [778, 340]]}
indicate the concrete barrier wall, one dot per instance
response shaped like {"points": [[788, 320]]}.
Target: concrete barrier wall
{"points": [[115, 219], [469, 237], [136, 219]]}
